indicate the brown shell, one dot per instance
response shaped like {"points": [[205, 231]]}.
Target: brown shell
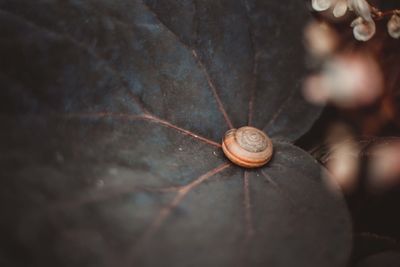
{"points": [[247, 146]]}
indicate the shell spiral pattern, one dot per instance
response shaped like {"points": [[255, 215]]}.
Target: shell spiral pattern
{"points": [[251, 139], [247, 146]]}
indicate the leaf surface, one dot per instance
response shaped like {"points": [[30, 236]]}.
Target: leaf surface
{"points": [[112, 113]]}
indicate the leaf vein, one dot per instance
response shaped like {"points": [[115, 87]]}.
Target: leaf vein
{"points": [[148, 117], [281, 108], [255, 64], [167, 210], [201, 65]]}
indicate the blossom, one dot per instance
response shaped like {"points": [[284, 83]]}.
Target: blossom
{"points": [[321, 5], [363, 30], [347, 81], [394, 26], [340, 6], [361, 8], [364, 25]]}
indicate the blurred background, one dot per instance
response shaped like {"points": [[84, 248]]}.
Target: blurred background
{"points": [[354, 57]]}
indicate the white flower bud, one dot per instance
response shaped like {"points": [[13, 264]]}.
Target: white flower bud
{"points": [[363, 30], [321, 5], [340, 8], [361, 8], [394, 26]]}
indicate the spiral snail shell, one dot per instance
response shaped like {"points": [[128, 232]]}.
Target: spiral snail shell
{"points": [[247, 146]]}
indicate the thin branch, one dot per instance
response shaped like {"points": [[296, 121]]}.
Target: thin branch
{"points": [[377, 14]]}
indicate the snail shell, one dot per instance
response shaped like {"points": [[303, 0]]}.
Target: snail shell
{"points": [[247, 147]]}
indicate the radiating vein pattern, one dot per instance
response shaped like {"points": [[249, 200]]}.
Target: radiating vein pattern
{"points": [[148, 117], [80, 45], [117, 73], [201, 66], [112, 129], [181, 193]]}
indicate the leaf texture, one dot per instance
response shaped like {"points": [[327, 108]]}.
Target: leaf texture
{"points": [[112, 113]]}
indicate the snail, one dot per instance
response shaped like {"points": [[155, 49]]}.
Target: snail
{"points": [[247, 147]]}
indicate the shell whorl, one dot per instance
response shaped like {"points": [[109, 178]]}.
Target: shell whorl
{"points": [[248, 147], [251, 139]]}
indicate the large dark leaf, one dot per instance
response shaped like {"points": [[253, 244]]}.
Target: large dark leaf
{"points": [[111, 116]]}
